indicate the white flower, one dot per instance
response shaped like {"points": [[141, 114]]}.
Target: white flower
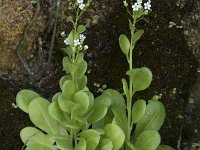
{"points": [[82, 6], [86, 47], [77, 42], [66, 41], [82, 37], [136, 6], [147, 5], [79, 1], [125, 3], [139, 1], [63, 34]]}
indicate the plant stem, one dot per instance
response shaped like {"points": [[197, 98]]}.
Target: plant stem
{"points": [[129, 101]]}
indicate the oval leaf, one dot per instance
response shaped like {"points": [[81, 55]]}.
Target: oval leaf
{"points": [[124, 44], [153, 118], [115, 134], [81, 29], [31, 136], [106, 144], [39, 115], [148, 140], [141, 77], [138, 110], [91, 137], [24, 97]]}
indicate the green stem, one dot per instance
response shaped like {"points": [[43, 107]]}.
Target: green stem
{"points": [[129, 101]]}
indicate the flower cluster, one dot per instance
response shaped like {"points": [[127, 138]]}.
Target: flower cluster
{"points": [[138, 5], [81, 5], [77, 42]]}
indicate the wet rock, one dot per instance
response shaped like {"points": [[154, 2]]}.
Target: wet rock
{"points": [[14, 16]]}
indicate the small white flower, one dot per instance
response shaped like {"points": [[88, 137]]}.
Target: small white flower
{"points": [[82, 6], [82, 37], [63, 34], [147, 5], [86, 47], [125, 3], [66, 41], [136, 6], [139, 1], [77, 42], [79, 1]]}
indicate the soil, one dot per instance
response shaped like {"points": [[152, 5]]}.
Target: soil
{"points": [[162, 49]]}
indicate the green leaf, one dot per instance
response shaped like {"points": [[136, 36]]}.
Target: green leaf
{"points": [[68, 88], [91, 137], [97, 113], [55, 97], [116, 98], [66, 104], [70, 18], [38, 113], [81, 29], [63, 79], [80, 70], [125, 88], [165, 147], [81, 144], [148, 140], [58, 114], [82, 83], [131, 26], [64, 144], [39, 147], [153, 118], [124, 44], [68, 65], [138, 110], [141, 77], [116, 135], [138, 34], [131, 146], [72, 36], [30, 136], [106, 144], [24, 97], [82, 99]]}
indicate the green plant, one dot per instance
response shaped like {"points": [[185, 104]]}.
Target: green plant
{"points": [[70, 121], [147, 118], [74, 119]]}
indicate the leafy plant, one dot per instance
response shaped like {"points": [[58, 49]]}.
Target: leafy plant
{"points": [[75, 120], [147, 118], [70, 121]]}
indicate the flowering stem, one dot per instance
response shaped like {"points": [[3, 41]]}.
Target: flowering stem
{"points": [[129, 101]]}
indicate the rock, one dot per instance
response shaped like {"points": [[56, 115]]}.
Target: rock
{"points": [[14, 16]]}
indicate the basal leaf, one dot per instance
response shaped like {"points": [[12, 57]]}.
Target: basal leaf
{"points": [[32, 136], [91, 137], [138, 110], [39, 115], [81, 144], [24, 97], [148, 140], [64, 144], [115, 134], [106, 144], [153, 118]]}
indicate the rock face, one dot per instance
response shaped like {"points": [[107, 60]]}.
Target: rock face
{"points": [[14, 16]]}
